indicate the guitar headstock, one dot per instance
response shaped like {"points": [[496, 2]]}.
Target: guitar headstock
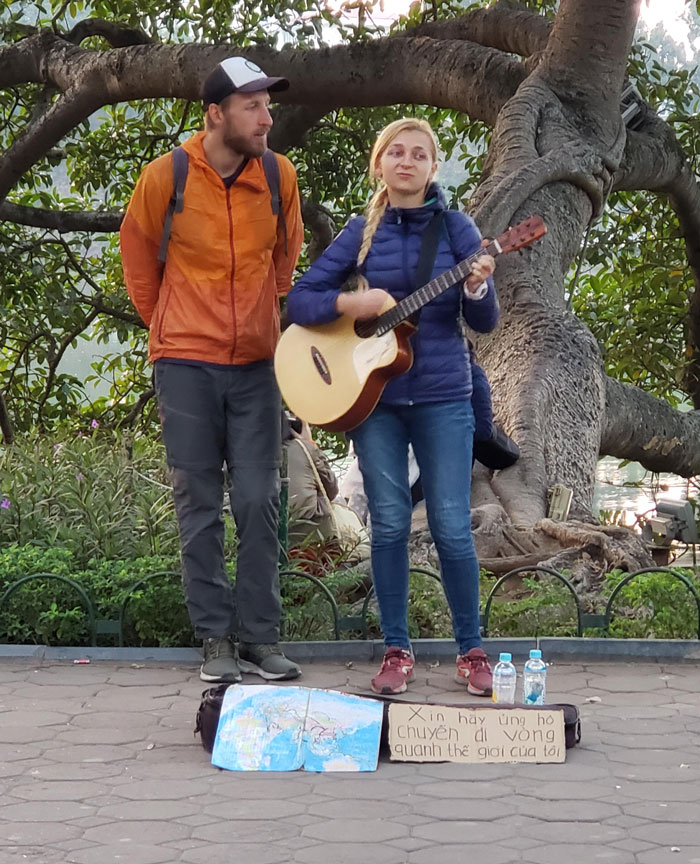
{"points": [[522, 234]]}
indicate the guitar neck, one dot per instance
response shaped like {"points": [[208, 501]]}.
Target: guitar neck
{"points": [[415, 301]]}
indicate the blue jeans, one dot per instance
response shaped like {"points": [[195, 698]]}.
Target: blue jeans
{"points": [[442, 436]]}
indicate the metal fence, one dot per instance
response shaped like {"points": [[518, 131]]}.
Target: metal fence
{"points": [[350, 625]]}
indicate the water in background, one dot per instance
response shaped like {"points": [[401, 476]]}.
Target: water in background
{"points": [[631, 489]]}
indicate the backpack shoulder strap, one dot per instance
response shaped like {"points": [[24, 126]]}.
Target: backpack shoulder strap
{"points": [[177, 199], [272, 175]]}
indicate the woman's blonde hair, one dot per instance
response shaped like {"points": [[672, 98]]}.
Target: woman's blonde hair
{"points": [[380, 200]]}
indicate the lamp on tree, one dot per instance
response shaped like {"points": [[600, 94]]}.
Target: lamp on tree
{"points": [[674, 520], [631, 106]]}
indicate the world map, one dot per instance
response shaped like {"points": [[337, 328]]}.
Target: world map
{"points": [[272, 728]]}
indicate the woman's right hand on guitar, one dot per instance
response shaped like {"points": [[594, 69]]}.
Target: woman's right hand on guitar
{"points": [[361, 305]]}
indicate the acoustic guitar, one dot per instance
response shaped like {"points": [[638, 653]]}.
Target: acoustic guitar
{"points": [[333, 375]]}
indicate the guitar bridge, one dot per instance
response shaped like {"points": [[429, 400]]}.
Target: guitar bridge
{"points": [[321, 365]]}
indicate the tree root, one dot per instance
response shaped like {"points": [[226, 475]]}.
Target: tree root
{"points": [[583, 552]]}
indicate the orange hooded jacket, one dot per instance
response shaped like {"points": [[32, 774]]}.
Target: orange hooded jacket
{"points": [[217, 300]]}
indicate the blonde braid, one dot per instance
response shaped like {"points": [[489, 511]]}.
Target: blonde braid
{"points": [[373, 216]]}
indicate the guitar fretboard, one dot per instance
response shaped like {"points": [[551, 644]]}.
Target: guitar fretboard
{"points": [[416, 300]]}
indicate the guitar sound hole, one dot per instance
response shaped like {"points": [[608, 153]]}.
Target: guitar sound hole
{"points": [[365, 329], [321, 365]]}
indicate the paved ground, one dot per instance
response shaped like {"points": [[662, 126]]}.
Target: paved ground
{"points": [[98, 764]]}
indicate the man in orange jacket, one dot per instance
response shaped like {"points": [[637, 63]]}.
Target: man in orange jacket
{"points": [[213, 317]]}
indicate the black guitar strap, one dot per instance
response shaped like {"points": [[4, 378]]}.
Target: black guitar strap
{"points": [[426, 256]]}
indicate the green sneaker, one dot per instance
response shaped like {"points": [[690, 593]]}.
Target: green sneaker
{"points": [[268, 661], [220, 661]]}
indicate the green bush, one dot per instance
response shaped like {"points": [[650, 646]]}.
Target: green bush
{"points": [[50, 611], [530, 606], [654, 605], [97, 497], [98, 510]]}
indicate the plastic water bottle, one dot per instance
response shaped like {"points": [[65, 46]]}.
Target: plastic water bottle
{"points": [[534, 679], [504, 678]]}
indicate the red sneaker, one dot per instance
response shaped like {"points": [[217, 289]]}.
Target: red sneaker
{"points": [[396, 672], [473, 670]]}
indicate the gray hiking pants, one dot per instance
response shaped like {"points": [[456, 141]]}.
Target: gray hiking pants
{"points": [[210, 417]]}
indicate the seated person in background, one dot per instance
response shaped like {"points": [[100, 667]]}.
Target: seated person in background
{"points": [[312, 486]]}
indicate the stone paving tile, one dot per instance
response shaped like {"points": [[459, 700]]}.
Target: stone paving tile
{"points": [[96, 753], [474, 810], [36, 833], [465, 789], [448, 771], [631, 845], [57, 791], [79, 772], [150, 810], [410, 844], [453, 854], [625, 820], [348, 853], [24, 854], [242, 831], [410, 819], [661, 791], [570, 832], [297, 842], [157, 831], [576, 768], [664, 812], [668, 833], [669, 855], [46, 811], [133, 853], [356, 831], [649, 757], [100, 736], [159, 790], [461, 832], [578, 853], [250, 853], [167, 804], [363, 808], [567, 810]]}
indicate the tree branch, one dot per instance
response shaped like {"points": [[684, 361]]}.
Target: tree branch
{"points": [[137, 409], [321, 224], [654, 160], [118, 35], [447, 74], [56, 359], [648, 430], [63, 221], [8, 433], [506, 25], [574, 163], [65, 113], [291, 123]]}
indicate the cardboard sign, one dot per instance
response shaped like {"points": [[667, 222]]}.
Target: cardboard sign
{"points": [[437, 733]]}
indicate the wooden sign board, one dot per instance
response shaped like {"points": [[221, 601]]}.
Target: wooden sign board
{"points": [[441, 733]]}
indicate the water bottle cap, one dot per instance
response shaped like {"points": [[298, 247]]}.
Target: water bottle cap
{"points": [[505, 657], [535, 654]]}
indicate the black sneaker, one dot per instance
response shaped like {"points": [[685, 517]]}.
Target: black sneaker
{"points": [[268, 661], [220, 661]]}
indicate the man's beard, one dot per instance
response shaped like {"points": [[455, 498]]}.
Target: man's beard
{"points": [[250, 147]]}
